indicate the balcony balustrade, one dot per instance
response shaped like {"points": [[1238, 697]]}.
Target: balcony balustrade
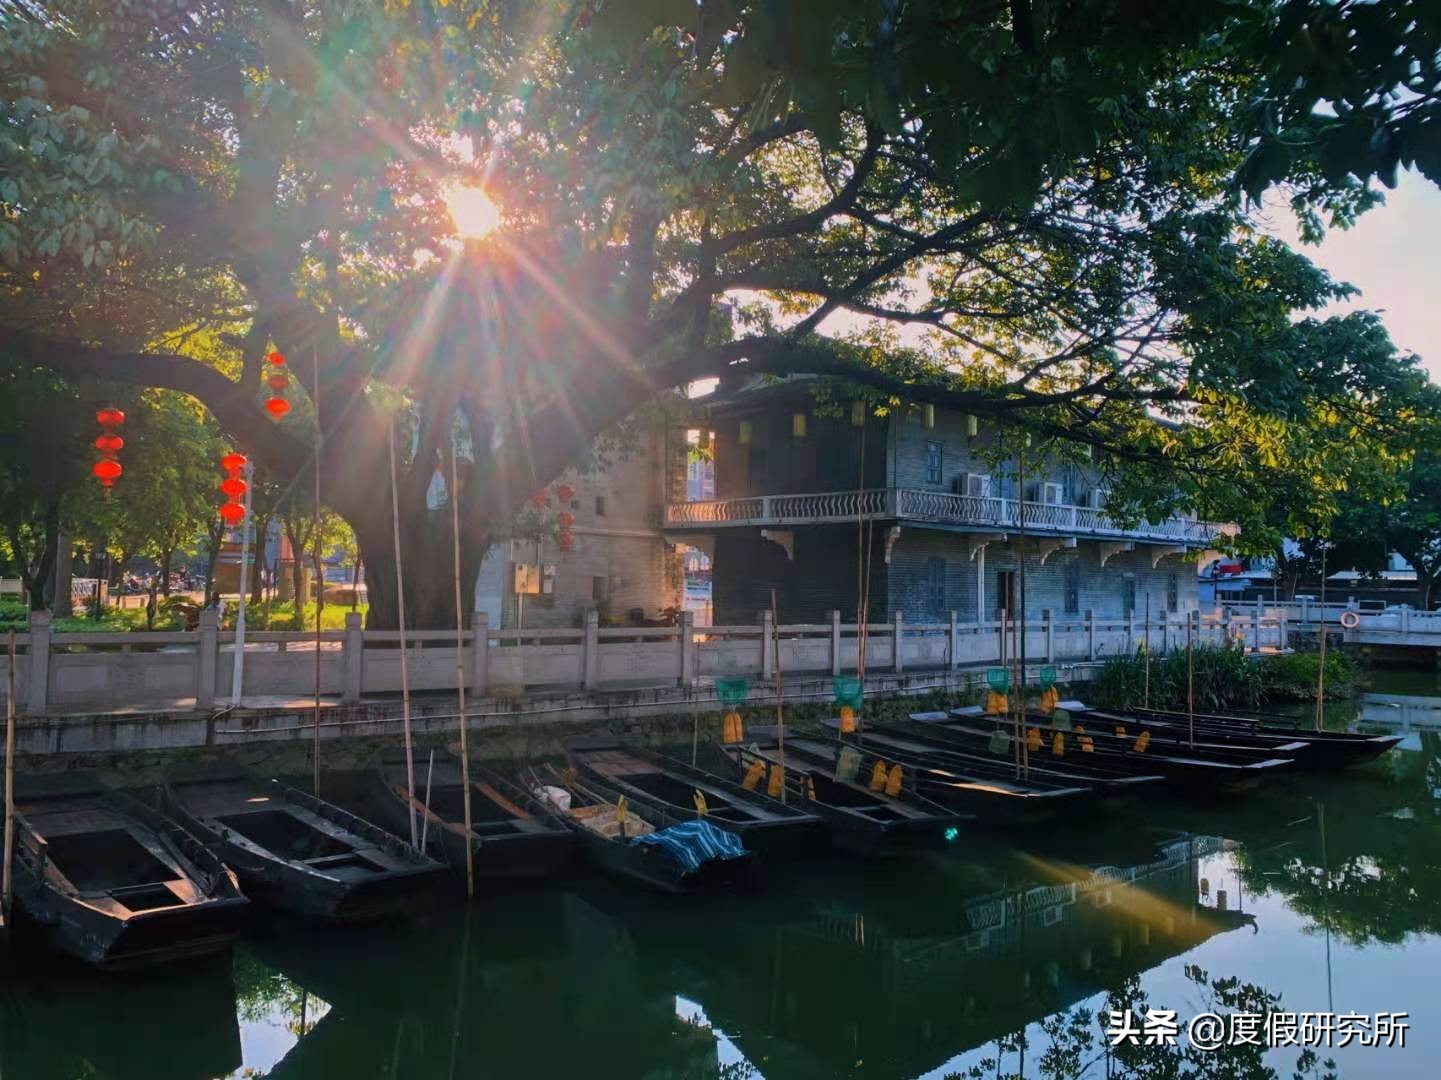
{"points": [[931, 507]]}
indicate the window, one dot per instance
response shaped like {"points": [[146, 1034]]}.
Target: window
{"points": [[1072, 587], [600, 506], [758, 467], [1005, 585], [1128, 594], [934, 457], [936, 586], [598, 590], [1173, 593]]}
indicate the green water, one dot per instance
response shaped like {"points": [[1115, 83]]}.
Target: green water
{"points": [[1323, 892]]}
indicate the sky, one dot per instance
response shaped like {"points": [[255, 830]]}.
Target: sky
{"points": [[1393, 255]]}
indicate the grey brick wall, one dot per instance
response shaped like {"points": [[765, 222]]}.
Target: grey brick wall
{"points": [[1100, 589]]}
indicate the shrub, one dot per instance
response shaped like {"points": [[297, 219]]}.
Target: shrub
{"points": [[1292, 676]]}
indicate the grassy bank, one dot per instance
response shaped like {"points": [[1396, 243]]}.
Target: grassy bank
{"points": [[1225, 677], [279, 615]]}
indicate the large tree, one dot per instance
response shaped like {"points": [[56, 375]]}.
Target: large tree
{"points": [[1046, 202]]}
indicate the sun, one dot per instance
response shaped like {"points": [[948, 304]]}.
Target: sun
{"points": [[472, 211]]}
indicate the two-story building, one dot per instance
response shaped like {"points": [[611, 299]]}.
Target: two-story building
{"points": [[824, 505], [619, 562]]}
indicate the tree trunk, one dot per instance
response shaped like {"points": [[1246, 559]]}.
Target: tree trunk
{"points": [[167, 553], [216, 535], [426, 549], [1425, 585], [257, 582]]}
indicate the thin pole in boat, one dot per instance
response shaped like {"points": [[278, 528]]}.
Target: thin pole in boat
{"points": [[425, 824], [5, 883], [404, 658], [1146, 646], [1021, 591], [1321, 660], [780, 715], [460, 673], [319, 572], [237, 670], [1190, 683]]}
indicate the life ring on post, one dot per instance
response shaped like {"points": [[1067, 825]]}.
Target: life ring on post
{"points": [[1350, 620]]}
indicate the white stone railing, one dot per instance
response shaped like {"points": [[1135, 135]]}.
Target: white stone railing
{"points": [[915, 504], [58, 673]]}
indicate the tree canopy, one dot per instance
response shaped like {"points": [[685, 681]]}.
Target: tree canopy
{"points": [[1040, 211]]}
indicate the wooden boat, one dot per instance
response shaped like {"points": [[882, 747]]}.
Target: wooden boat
{"points": [[301, 854], [512, 835], [1168, 739], [613, 835], [1196, 774], [1324, 749], [1110, 785], [654, 780], [986, 794], [860, 821], [114, 883]]}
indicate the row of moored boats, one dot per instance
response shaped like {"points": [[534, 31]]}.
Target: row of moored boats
{"points": [[119, 880]]}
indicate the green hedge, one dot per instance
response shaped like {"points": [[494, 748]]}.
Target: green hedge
{"points": [[1225, 677]]}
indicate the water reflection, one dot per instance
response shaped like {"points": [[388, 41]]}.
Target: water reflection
{"points": [[986, 960]]}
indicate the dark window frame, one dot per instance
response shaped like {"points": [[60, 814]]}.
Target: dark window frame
{"points": [[1071, 588], [936, 571], [935, 462]]}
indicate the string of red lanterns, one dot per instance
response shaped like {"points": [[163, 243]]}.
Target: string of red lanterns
{"points": [[564, 494], [108, 469], [232, 512], [278, 381]]}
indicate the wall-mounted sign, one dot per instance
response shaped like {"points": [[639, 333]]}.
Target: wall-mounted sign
{"points": [[527, 579]]}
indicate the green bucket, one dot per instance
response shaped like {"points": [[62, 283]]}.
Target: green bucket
{"points": [[732, 691], [848, 691], [998, 679], [1047, 677]]}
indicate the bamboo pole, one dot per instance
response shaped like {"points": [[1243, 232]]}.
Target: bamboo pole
{"points": [[1321, 661], [460, 674], [1190, 684], [319, 573], [780, 715], [1146, 646], [1021, 595], [404, 656], [425, 823], [237, 669], [6, 886]]}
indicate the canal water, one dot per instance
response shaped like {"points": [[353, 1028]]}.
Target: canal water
{"points": [[994, 957]]}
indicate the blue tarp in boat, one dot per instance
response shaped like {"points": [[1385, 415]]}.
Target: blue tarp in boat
{"points": [[692, 844]]}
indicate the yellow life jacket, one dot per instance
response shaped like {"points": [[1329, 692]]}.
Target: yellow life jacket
{"points": [[753, 775], [997, 704], [893, 781], [848, 720], [878, 776], [1143, 740], [810, 787], [700, 804], [1050, 700], [1058, 744], [1033, 739], [776, 782], [1087, 744], [734, 731]]}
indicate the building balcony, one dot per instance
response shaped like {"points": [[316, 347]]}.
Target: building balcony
{"points": [[934, 508]]}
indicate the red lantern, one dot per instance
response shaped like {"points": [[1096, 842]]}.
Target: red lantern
{"points": [[107, 470], [233, 486], [566, 519], [277, 407], [232, 514], [232, 462], [278, 381], [276, 359], [565, 493], [566, 541]]}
